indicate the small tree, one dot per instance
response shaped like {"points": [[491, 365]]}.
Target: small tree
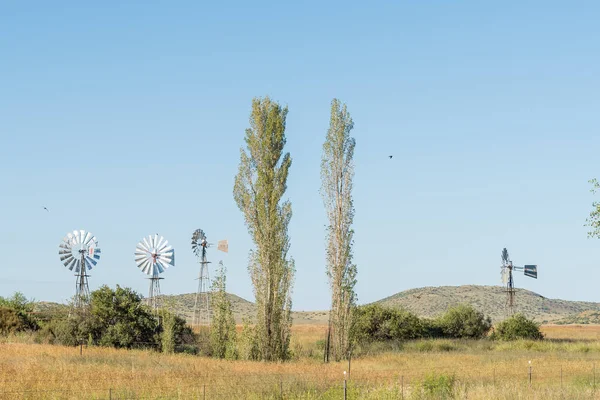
{"points": [[464, 322], [120, 319], [222, 329], [167, 336], [517, 327]]}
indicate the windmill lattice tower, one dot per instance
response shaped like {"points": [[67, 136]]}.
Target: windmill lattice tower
{"points": [[506, 273], [202, 301], [79, 250], [153, 256]]}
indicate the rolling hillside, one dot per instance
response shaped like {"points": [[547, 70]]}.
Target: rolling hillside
{"points": [[425, 302], [431, 301]]}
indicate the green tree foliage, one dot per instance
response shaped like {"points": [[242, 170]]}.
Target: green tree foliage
{"points": [[11, 321], [337, 174], [259, 187], [167, 337], [464, 322], [593, 220], [222, 329], [376, 323], [16, 314], [118, 318], [517, 327]]}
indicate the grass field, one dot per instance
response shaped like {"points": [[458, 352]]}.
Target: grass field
{"points": [[563, 367], [572, 332]]}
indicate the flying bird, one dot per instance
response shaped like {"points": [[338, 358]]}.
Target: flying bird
{"points": [[390, 156], [46, 209]]}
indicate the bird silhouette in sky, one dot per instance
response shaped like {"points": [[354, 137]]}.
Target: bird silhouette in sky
{"points": [[390, 157], [46, 209]]}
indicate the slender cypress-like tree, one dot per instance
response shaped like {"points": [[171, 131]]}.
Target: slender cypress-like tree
{"points": [[337, 173], [259, 187], [222, 328]]}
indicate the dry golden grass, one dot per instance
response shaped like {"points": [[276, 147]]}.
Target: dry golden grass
{"points": [[483, 370], [572, 332]]}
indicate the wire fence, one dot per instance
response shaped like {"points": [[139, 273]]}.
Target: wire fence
{"points": [[550, 379]]}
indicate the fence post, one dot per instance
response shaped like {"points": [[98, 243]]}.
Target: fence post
{"points": [[81, 347], [345, 387], [349, 360], [561, 377], [402, 387], [281, 389], [109, 393], [529, 372], [594, 389], [204, 391]]}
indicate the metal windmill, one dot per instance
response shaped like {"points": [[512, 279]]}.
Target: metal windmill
{"points": [[77, 251], [506, 272], [153, 256], [202, 302]]}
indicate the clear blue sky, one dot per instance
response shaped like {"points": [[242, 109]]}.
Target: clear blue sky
{"points": [[127, 120]]}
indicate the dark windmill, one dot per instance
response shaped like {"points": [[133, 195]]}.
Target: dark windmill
{"points": [[506, 272], [202, 302]]}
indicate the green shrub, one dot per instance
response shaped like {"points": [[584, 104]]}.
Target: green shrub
{"points": [[517, 327], [117, 318], [464, 322], [10, 321], [376, 323], [432, 328], [424, 346], [15, 314], [435, 387]]}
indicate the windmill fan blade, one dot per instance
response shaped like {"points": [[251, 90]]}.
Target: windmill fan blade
{"points": [[66, 260], [71, 264], [159, 267], [91, 261]]}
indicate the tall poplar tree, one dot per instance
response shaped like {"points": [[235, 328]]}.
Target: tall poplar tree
{"points": [[337, 174], [259, 187]]}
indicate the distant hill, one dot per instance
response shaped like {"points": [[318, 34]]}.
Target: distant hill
{"points": [[425, 302], [491, 300], [242, 309], [183, 305], [589, 317]]}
